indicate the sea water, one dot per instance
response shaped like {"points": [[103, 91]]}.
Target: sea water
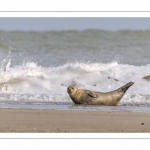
{"points": [[37, 67]]}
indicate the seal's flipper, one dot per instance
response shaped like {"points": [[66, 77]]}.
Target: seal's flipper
{"points": [[92, 94], [125, 87]]}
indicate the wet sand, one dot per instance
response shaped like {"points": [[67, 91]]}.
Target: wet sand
{"points": [[62, 121]]}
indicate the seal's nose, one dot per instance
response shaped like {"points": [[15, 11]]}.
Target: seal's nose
{"points": [[68, 89]]}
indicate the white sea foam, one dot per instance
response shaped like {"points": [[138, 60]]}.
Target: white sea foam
{"points": [[35, 83]]}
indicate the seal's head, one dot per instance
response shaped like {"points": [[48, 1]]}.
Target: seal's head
{"points": [[71, 89]]}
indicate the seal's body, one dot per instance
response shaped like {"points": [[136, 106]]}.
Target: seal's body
{"points": [[112, 98]]}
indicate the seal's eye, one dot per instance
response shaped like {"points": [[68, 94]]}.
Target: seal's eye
{"points": [[70, 88]]}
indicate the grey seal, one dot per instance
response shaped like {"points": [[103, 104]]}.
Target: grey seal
{"points": [[88, 97], [146, 77]]}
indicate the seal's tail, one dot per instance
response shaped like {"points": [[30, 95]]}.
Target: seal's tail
{"points": [[126, 87]]}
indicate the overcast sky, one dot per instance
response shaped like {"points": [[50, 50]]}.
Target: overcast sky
{"points": [[48, 24]]}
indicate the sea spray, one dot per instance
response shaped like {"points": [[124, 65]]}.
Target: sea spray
{"points": [[32, 82]]}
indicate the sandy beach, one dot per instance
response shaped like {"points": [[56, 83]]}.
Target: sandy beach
{"points": [[62, 121]]}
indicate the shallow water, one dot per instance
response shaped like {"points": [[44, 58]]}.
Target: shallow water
{"points": [[71, 106], [37, 67]]}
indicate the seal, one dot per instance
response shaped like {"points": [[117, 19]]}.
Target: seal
{"points": [[147, 78], [88, 97]]}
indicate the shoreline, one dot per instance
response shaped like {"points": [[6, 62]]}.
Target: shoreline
{"points": [[74, 121]]}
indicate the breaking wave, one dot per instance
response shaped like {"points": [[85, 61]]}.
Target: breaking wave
{"points": [[30, 82]]}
